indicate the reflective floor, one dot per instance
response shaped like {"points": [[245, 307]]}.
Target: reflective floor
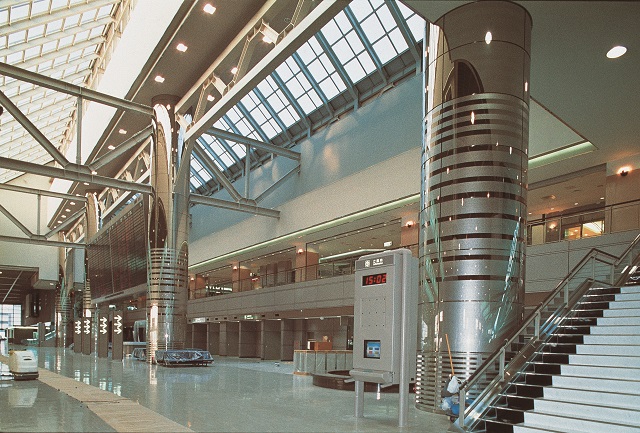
{"points": [[231, 395]]}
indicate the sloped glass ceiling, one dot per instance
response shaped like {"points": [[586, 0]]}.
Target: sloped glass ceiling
{"points": [[63, 39], [325, 75]]}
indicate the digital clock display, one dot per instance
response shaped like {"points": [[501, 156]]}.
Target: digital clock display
{"points": [[370, 280]]}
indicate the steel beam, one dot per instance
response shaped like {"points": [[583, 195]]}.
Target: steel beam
{"points": [[307, 27], [240, 207], [73, 173], [276, 150], [41, 242], [72, 89], [15, 221], [219, 175], [23, 189], [31, 128], [68, 222], [277, 183], [124, 147]]}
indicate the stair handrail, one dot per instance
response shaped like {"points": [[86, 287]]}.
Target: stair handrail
{"points": [[534, 317], [634, 261]]}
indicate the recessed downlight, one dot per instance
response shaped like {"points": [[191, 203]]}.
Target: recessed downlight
{"points": [[111, 147], [122, 131], [181, 47], [159, 79], [616, 52], [209, 8], [234, 70], [488, 37], [210, 98]]}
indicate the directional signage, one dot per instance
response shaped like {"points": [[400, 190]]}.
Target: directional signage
{"points": [[86, 335], [103, 334], [117, 335], [77, 335]]}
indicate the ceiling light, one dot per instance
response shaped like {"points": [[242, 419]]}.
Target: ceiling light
{"points": [[488, 38], [93, 172], [181, 47], [64, 216], [575, 204], [111, 147], [208, 8], [85, 183], [67, 210], [234, 70], [210, 98], [159, 79], [73, 203], [616, 52], [59, 222], [123, 131], [601, 198], [267, 39]]}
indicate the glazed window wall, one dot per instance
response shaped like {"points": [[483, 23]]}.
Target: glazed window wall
{"points": [[325, 258], [10, 316]]}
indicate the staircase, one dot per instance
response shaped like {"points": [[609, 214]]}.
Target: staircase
{"points": [[584, 378]]}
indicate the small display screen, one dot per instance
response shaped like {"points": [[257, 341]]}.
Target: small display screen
{"points": [[372, 349], [370, 280]]}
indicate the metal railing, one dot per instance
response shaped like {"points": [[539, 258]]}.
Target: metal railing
{"points": [[597, 267]]}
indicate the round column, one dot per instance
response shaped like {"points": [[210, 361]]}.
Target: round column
{"points": [[168, 235], [474, 189]]}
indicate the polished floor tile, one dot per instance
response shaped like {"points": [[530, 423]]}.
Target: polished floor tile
{"points": [[233, 395]]}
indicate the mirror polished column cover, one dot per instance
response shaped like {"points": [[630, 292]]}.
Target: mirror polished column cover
{"points": [[168, 235], [474, 188]]}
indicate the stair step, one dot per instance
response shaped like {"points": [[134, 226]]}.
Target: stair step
{"points": [[552, 358], [621, 312], [625, 304], [600, 412], [612, 399], [573, 424], [608, 349], [595, 383], [625, 320], [495, 426], [630, 289], [606, 359], [522, 428], [526, 390], [534, 379], [628, 297], [616, 329], [612, 339], [600, 372]]}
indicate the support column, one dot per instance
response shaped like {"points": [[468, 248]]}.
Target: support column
{"points": [[63, 308], [168, 234], [92, 224], [474, 188]]}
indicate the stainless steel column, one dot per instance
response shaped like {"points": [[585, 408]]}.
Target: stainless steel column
{"points": [[63, 307], [474, 188], [92, 224], [168, 235]]}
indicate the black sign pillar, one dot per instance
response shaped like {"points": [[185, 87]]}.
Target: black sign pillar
{"points": [[117, 336], [77, 335], [103, 334], [86, 335]]}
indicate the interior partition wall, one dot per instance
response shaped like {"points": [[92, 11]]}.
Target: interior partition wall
{"points": [[473, 198]]}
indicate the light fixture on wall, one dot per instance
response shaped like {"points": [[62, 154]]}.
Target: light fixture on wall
{"points": [[409, 223], [623, 171], [300, 251]]}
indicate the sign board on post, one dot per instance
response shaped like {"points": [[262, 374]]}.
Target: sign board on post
{"points": [[86, 336], [385, 324], [77, 335], [117, 335], [103, 334]]}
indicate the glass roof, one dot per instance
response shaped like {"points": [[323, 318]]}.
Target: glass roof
{"points": [[63, 39], [66, 39], [357, 43]]}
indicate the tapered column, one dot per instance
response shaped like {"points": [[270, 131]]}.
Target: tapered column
{"points": [[474, 188], [92, 224], [63, 307], [168, 235]]}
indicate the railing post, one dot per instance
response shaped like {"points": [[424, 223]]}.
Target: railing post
{"points": [[537, 326], [502, 360], [461, 405]]}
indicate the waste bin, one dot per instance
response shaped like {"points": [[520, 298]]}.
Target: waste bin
{"points": [[23, 364]]}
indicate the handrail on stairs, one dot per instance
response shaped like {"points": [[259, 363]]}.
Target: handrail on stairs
{"points": [[469, 416]]}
